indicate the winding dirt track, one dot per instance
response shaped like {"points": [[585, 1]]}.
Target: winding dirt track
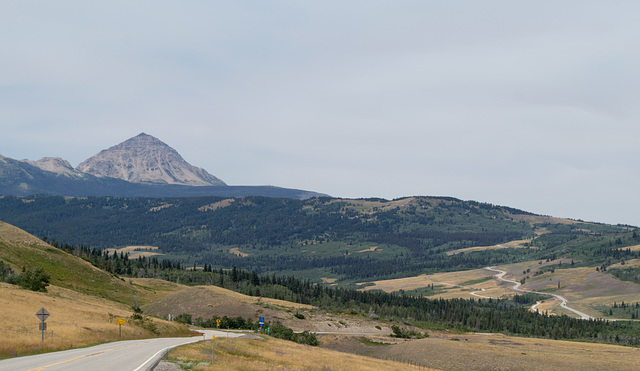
{"points": [[516, 286]]}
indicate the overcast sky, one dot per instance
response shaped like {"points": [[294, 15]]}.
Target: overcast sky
{"points": [[528, 104]]}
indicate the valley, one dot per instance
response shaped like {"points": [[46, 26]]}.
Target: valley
{"points": [[83, 312], [589, 291]]}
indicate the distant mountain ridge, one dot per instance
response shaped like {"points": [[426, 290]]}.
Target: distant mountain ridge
{"points": [[142, 166], [146, 159]]}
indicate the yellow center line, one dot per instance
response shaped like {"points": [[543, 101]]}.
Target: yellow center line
{"points": [[84, 356]]}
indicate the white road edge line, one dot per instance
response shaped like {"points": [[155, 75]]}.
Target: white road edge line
{"points": [[153, 357]]}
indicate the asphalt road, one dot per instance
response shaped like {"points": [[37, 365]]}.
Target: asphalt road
{"points": [[132, 355]]}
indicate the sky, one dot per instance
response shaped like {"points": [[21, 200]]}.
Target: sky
{"points": [[527, 104]]}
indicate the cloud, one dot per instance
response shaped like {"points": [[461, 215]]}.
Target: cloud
{"points": [[526, 104]]}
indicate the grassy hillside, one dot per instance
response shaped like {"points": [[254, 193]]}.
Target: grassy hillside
{"points": [[19, 249], [83, 300], [76, 320]]}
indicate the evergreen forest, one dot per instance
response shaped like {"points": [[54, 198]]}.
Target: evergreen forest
{"points": [[352, 240]]}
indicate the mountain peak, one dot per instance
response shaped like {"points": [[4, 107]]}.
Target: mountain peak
{"points": [[147, 159]]}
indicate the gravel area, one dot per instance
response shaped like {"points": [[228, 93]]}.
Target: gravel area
{"points": [[167, 366]]}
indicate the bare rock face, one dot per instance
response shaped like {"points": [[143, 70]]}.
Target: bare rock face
{"points": [[146, 159], [56, 165]]}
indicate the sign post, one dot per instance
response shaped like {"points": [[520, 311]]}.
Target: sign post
{"points": [[213, 348], [42, 315], [120, 321]]}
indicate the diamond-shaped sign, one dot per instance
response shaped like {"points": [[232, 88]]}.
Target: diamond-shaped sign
{"points": [[42, 314]]}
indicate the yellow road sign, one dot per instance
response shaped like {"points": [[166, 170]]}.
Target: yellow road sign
{"points": [[120, 321]]}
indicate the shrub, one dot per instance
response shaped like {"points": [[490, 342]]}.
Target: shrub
{"points": [[35, 279], [308, 338], [405, 333], [299, 315], [184, 318], [281, 331], [5, 272]]}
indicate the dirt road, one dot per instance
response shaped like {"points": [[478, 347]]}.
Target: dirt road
{"points": [[516, 286]]}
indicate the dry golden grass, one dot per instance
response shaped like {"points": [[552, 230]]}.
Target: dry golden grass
{"points": [[442, 350], [76, 320], [408, 283], [217, 205], [628, 263], [158, 208], [329, 280], [152, 289], [367, 206], [450, 282], [275, 354], [13, 235], [136, 252], [219, 293], [540, 219], [209, 301], [236, 251], [500, 352], [373, 248], [632, 248], [519, 244]]}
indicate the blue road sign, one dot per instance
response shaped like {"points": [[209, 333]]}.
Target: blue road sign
{"points": [[261, 322]]}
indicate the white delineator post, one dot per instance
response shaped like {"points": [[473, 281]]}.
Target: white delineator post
{"points": [[213, 348]]}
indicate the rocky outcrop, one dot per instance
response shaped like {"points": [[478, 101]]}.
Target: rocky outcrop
{"points": [[146, 159]]}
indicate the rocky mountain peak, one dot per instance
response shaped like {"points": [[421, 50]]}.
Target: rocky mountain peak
{"points": [[56, 165], [146, 159]]}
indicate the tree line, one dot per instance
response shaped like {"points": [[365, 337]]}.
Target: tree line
{"points": [[488, 315]]}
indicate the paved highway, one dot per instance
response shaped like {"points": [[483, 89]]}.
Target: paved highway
{"points": [[132, 355]]}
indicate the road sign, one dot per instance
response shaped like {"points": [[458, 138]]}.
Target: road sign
{"points": [[261, 321], [218, 322], [42, 326], [42, 314], [120, 321]]}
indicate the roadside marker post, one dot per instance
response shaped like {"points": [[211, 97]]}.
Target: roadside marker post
{"points": [[213, 348], [204, 342], [42, 315]]}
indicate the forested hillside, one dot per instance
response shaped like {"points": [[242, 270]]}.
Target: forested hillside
{"points": [[347, 239], [509, 316]]}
